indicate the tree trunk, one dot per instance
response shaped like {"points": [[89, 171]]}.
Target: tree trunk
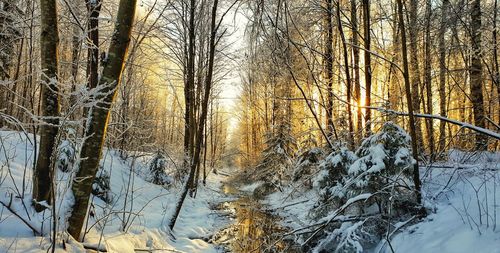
{"points": [[348, 78], [496, 74], [406, 76], [368, 69], [49, 40], [355, 65], [414, 66], [442, 74], [93, 8], [204, 110], [75, 56], [328, 58], [189, 93], [476, 72], [428, 78], [96, 132]]}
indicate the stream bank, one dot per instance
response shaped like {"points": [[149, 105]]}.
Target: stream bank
{"points": [[255, 228]]}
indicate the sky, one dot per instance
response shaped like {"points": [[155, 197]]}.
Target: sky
{"points": [[230, 90]]}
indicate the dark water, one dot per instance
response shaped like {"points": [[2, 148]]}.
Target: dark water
{"points": [[255, 229]]}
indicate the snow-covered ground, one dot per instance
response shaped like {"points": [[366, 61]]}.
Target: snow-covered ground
{"points": [[462, 195], [146, 213]]}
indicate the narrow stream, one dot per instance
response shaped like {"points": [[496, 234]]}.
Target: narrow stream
{"points": [[255, 229]]}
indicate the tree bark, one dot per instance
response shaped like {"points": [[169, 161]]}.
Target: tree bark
{"points": [[406, 76], [355, 65], [49, 41], [368, 69], [96, 132], [428, 78], [496, 74], [204, 110], [93, 8], [414, 66], [348, 78], [328, 58], [476, 72], [442, 74]]}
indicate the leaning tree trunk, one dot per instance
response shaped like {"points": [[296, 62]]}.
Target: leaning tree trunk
{"points": [[406, 76], [49, 40], [476, 72], [204, 111], [96, 131]]}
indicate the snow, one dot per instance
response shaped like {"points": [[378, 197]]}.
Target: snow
{"points": [[452, 228], [251, 187], [148, 210], [449, 192]]}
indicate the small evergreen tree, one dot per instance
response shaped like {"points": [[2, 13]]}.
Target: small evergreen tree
{"points": [[157, 171], [277, 158], [384, 167], [101, 187], [331, 179]]}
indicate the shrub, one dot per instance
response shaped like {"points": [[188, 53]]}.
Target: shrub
{"points": [[157, 171], [101, 187]]}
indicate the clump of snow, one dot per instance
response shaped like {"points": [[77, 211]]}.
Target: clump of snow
{"points": [[251, 187]]}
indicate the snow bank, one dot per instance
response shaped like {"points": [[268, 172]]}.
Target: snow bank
{"points": [[147, 211], [464, 204]]}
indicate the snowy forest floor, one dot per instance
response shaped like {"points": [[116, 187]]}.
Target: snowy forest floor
{"points": [[462, 197], [144, 209]]}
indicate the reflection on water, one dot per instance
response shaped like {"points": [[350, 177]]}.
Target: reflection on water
{"points": [[256, 229]]}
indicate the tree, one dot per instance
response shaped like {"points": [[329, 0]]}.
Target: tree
{"points": [[413, 33], [350, 138], [93, 8], [96, 131], [355, 65], [368, 69], [442, 73], [43, 174], [428, 77], [328, 58], [476, 73], [406, 76]]}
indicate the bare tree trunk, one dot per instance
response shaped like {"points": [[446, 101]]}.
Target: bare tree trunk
{"points": [[204, 110], [357, 85], [414, 66], [416, 173], [75, 54], [496, 74], [476, 72], [442, 73], [394, 84], [93, 8], [189, 93], [368, 68], [96, 132], [49, 40], [328, 58], [348, 78], [428, 77]]}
